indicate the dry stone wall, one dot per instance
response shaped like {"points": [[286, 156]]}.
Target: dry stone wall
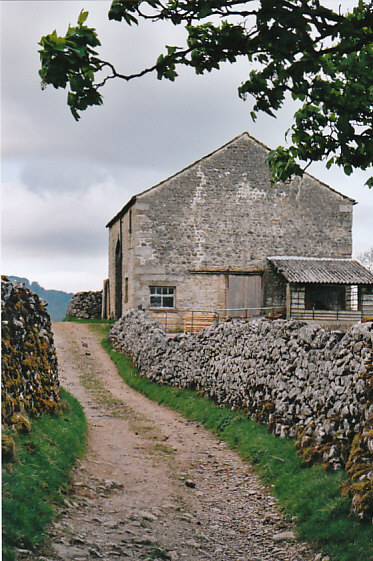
{"points": [[29, 365], [303, 381], [85, 305]]}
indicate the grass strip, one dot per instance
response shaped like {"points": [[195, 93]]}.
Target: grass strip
{"points": [[36, 480], [308, 495], [93, 320]]}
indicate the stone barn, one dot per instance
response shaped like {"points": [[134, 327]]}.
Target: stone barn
{"points": [[205, 241]]}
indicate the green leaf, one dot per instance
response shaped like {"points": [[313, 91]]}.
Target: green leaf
{"points": [[347, 169], [322, 57], [82, 17]]}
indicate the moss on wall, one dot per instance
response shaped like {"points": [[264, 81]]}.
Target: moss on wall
{"points": [[29, 365], [359, 467]]}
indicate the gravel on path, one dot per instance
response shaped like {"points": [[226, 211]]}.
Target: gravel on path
{"points": [[153, 485]]}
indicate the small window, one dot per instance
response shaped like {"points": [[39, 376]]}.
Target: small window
{"points": [[126, 289], [130, 222], [354, 304], [162, 296]]}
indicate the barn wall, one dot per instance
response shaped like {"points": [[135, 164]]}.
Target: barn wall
{"points": [[274, 288], [221, 214], [114, 237]]}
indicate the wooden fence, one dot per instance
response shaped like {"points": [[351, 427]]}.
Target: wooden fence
{"points": [[328, 315], [192, 321]]}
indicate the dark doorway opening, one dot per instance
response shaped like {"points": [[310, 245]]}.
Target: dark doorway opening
{"points": [[325, 297], [118, 280]]}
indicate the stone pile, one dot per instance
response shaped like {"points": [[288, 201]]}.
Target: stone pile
{"points": [[303, 381], [85, 305], [29, 365]]}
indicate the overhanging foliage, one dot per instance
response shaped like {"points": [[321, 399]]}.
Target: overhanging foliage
{"points": [[319, 56]]}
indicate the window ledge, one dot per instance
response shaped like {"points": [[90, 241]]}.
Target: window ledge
{"points": [[162, 309]]}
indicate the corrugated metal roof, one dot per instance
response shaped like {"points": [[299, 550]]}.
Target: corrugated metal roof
{"points": [[322, 270]]}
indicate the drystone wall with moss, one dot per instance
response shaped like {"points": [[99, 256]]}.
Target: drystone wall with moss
{"points": [[29, 383], [303, 381], [85, 305]]}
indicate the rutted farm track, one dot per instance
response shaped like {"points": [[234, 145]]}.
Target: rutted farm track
{"points": [[154, 485]]}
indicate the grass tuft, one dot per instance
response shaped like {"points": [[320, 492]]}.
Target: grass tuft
{"points": [[40, 474], [309, 495]]}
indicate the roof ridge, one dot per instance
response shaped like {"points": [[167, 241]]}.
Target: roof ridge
{"points": [[195, 163], [205, 157]]}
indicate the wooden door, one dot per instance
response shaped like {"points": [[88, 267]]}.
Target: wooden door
{"points": [[244, 292]]}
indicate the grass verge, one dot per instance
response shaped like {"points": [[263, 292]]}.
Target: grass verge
{"points": [[309, 495], [93, 320], [36, 480]]}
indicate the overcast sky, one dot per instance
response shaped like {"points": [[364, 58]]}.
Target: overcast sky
{"points": [[63, 180]]}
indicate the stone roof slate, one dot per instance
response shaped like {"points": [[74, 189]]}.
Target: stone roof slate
{"points": [[321, 270]]}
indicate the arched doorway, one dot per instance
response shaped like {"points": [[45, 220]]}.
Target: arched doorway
{"points": [[118, 280]]}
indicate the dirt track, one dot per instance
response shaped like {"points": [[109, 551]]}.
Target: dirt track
{"points": [[154, 485]]}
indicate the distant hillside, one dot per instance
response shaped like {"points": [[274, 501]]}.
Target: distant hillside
{"points": [[57, 299]]}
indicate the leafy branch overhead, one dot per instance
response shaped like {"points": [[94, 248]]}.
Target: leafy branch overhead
{"points": [[321, 57]]}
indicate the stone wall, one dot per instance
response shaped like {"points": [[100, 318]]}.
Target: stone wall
{"points": [[85, 305], [29, 365], [303, 381]]}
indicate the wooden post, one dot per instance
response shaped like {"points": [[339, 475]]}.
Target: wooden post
{"points": [[288, 301]]}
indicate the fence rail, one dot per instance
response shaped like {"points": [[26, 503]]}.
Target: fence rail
{"points": [[192, 321], [195, 321], [246, 313], [327, 315]]}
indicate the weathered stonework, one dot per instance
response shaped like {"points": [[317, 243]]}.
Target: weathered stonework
{"points": [[85, 305], [218, 217], [301, 380], [29, 365]]}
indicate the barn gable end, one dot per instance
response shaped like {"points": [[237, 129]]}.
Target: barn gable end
{"points": [[201, 238]]}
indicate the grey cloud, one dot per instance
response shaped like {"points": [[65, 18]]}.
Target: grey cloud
{"points": [[62, 174], [49, 242], [77, 174], [133, 126], [67, 179]]}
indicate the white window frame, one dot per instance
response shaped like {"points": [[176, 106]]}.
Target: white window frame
{"points": [[354, 297], [158, 296]]}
